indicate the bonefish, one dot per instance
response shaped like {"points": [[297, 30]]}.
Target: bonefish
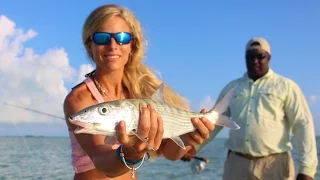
{"points": [[102, 118]]}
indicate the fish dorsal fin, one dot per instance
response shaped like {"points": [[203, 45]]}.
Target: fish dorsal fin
{"points": [[157, 95]]}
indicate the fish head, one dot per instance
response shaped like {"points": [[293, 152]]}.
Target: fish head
{"points": [[102, 118]]}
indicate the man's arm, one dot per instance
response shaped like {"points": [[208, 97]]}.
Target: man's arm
{"points": [[299, 116]]}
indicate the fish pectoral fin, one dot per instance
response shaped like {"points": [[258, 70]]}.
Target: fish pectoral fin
{"points": [[227, 122], [110, 140], [178, 141], [157, 95], [142, 139]]}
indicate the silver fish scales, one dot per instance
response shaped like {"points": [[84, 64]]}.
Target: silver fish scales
{"points": [[103, 117]]}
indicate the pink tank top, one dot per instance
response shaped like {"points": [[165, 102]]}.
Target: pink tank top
{"points": [[80, 160]]}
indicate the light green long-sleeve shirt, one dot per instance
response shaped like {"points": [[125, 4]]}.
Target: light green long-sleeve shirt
{"points": [[268, 111]]}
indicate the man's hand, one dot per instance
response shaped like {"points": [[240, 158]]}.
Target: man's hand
{"points": [[303, 177]]}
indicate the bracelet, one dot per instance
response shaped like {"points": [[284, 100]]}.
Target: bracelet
{"points": [[119, 151], [120, 155]]}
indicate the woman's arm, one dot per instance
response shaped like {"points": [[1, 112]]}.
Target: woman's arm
{"points": [[103, 156]]}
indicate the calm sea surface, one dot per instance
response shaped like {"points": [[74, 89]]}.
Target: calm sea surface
{"points": [[48, 158]]}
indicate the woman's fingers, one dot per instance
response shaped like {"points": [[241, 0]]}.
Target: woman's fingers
{"points": [[196, 135], [150, 128], [202, 130], [146, 124], [191, 138], [159, 135], [203, 111], [197, 139], [209, 125], [153, 124], [121, 133], [203, 127], [144, 121]]}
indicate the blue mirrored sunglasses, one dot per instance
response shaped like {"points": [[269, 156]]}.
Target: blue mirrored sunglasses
{"points": [[103, 38]]}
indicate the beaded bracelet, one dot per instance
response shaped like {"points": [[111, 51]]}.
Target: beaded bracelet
{"points": [[120, 155], [119, 151]]}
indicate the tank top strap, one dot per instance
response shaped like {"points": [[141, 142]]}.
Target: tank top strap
{"points": [[93, 89]]}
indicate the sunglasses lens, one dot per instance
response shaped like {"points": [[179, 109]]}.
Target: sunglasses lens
{"points": [[254, 56], [101, 38], [123, 38], [261, 56]]}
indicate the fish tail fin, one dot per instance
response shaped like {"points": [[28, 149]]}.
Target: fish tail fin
{"points": [[222, 105], [220, 108], [224, 120]]}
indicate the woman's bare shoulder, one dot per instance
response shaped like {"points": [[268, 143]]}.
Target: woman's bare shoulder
{"points": [[78, 98]]}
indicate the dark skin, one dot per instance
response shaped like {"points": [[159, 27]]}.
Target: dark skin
{"points": [[257, 63]]}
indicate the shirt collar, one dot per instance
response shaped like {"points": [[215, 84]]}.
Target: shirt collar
{"points": [[269, 74]]}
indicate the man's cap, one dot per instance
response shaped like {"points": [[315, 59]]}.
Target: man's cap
{"points": [[258, 43]]}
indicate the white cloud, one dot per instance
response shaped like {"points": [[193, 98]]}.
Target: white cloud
{"points": [[206, 103], [36, 81], [84, 69], [314, 98]]}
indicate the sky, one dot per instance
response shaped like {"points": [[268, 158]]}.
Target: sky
{"points": [[197, 48]]}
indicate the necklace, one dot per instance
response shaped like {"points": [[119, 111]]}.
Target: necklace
{"points": [[101, 90]]}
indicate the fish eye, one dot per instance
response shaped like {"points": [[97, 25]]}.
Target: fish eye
{"points": [[103, 110]]}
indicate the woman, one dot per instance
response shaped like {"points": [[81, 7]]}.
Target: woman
{"points": [[113, 40]]}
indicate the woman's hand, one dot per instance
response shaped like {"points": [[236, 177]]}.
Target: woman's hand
{"points": [[202, 132], [203, 127], [150, 127]]}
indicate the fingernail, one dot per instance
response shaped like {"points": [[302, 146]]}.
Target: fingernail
{"points": [[142, 105], [122, 124], [203, 119], [195, 120]]}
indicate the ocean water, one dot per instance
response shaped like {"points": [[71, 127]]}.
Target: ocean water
{"points": [[48, 158]]}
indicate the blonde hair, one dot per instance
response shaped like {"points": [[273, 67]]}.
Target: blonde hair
{"points": [[138, 78]]}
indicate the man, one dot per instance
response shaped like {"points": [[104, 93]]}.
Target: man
{"points": [[268, 107]]}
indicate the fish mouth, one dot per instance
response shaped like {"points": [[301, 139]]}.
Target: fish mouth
{"points": [[79, 123], [81, 126]]}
